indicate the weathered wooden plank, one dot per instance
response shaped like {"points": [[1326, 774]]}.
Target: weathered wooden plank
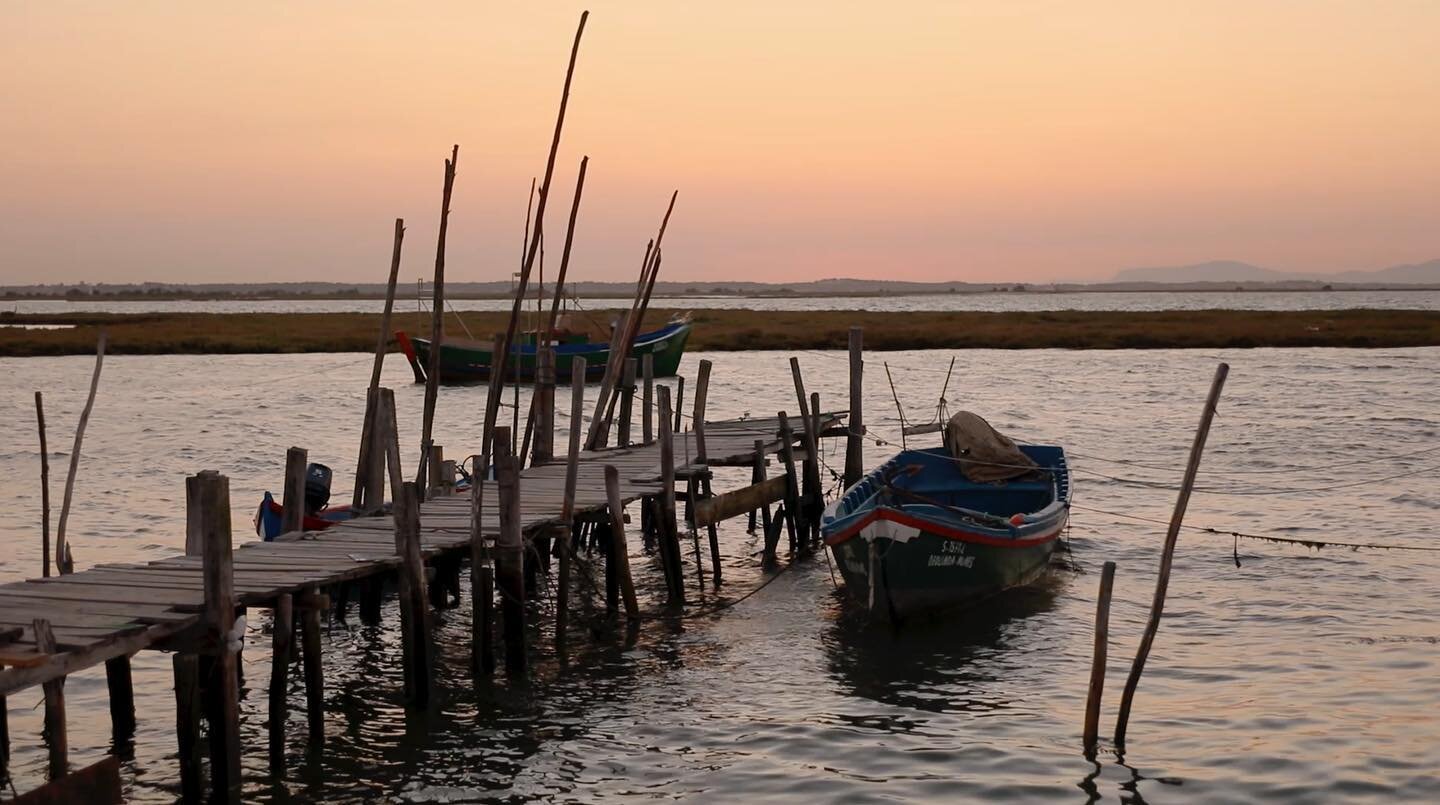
{"points": [[731, 504]]}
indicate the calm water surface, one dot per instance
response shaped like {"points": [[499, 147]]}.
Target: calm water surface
{"points": [[1299, 676], [1033, 300]]}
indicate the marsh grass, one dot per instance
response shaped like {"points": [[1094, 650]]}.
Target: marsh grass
{"points": [[225, 333]]}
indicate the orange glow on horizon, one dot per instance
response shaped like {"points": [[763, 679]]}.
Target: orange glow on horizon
{"points": [[1025, 141]]}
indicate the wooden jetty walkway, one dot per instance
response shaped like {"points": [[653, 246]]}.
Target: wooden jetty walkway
{"points": [[187, 604]]}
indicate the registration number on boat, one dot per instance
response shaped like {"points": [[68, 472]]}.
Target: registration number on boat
{"points": [[951, 560]]}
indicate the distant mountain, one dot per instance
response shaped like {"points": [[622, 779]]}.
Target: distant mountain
{"points": [[1234, 271], [1214, 271]]}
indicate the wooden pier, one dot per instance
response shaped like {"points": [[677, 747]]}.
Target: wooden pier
{"points": [[188, 604]]}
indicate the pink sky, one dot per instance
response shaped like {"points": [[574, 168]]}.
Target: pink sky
{"points": [[1025, 141]]}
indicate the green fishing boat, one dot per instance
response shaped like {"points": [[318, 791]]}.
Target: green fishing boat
{"points": [[463, 360]]}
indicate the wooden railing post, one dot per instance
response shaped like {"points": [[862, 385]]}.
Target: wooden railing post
{"points": [[292, 515], [544, 449], [223, 686], [627, 402], [647, 399], [702, 386], [855, 432]]}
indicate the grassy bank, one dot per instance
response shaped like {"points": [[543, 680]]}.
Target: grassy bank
{"points": [[216, 333]]}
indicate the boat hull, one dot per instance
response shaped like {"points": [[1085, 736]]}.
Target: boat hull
{"points": [[466, 363], [928, 572]]}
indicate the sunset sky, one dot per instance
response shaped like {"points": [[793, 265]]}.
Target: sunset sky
{"points": [[1027, 141]]}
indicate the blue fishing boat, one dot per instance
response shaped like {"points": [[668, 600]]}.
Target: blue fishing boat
{"points": [[946, 527]]}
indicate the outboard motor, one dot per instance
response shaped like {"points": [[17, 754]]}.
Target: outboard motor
{"points": [[317, 488]]}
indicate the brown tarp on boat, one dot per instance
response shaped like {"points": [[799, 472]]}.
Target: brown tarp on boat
{"points": [[984, 454]]}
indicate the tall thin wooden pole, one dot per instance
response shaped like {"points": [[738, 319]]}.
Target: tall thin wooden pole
{"points": [[565, 253], [679, 401], [364, 496], [855, 432], [544, 405], [44, 487], [437, 322], [500, 359], [1167, 554], [1097, 660], [810, 504], [63, 559]]}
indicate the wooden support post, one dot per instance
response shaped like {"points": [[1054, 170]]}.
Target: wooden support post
{"points": [[1097, 660], [122, 697], [282, 650], [1167, 554], [55, 735], [647, 399], [567, 511], [619, 551], [372, 590], [312, 603], [292, 515], [817, 503], [679, 401], [714, 533], [810, 509], [223, 687], [792, 484], [510, 554], [414, 613], [855, 430], [771, 539], [433, 460], [702, 386], [4, 740], [669, 535], [370, 489], [44, 511], [187, 724], [544, 449], [192, 516], [627, 402]]}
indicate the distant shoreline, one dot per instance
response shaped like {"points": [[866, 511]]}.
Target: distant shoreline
{"points": [[711, 293], [730, 329]]}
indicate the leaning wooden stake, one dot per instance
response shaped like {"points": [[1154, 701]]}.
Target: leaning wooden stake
{"points": [[365, 496], [810, 467], [794, 522], [54, 704], [702, 387], [567, 511], [223, 686], [619, 551], [855, 430], [63, 559], [771, 534], [1097, 661], [292, 510], [437, 324], [44, 487], [1167, 554]]}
